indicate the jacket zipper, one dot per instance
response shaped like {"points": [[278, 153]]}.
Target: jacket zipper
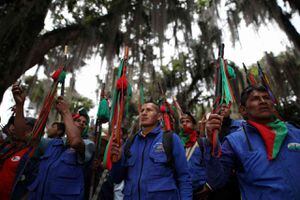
{"points": [[45, 180], [139, 182]]}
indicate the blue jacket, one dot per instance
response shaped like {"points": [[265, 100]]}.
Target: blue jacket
{"points": [[259, 178], [196, 163], [146, 174], [197, 169], [60, 174]]}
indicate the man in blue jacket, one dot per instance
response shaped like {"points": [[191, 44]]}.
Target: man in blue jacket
{"points": [[265, 152], [197, 165], [61, 169], [146, 172]]}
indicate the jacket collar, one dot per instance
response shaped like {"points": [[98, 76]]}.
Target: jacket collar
{"points": [[154, 131]]}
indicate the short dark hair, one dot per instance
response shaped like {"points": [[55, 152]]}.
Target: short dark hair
{"points": [[60, 126], [248, 90], [157, 106], [191, 116]]}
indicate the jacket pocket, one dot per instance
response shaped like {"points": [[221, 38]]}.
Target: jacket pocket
{"points": [[63, 191], [68, 168], [160, 167], [66, 189], [158, 155], [162, 188], [254, 166], [161, 184]]}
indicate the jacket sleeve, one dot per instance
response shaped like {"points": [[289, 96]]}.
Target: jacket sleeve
{"points": [[182, 172], [219, 169]]}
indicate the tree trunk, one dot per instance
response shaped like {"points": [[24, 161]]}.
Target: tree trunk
{"points": [[284, 23], [20, 26], [21, 47]]}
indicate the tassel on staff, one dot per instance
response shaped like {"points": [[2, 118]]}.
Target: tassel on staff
{"points": [[166, 111]]}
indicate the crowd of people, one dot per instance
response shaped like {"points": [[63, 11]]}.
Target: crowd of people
{"points": [[256, 157]]}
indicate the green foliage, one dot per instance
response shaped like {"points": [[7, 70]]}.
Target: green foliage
{"points": [[283, 72], [80, 102], [38, 89], [290, 111], [175, 73], [35, 89], [203, 3]]}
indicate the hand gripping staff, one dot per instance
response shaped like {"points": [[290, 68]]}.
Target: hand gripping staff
{"points": [[223, 95]]}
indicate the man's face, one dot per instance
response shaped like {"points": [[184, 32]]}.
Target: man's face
{"points": [[225, 110], [259, 106], [52, 131], [186, 122], [149, 115], [80, 123]]}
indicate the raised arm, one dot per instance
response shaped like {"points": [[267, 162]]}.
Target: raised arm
{"points": [[21, 128], [73, 133]]}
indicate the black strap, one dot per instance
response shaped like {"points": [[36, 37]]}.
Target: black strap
{"points": [[294, 124], [168, 147], [128, 144], [247, 138]]}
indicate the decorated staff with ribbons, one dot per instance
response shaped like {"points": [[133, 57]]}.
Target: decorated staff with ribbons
{"points": [[122, 93], [103, 114], [249, 76], [264, 152], [166, 110], [223, 94], [266, 83]]}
